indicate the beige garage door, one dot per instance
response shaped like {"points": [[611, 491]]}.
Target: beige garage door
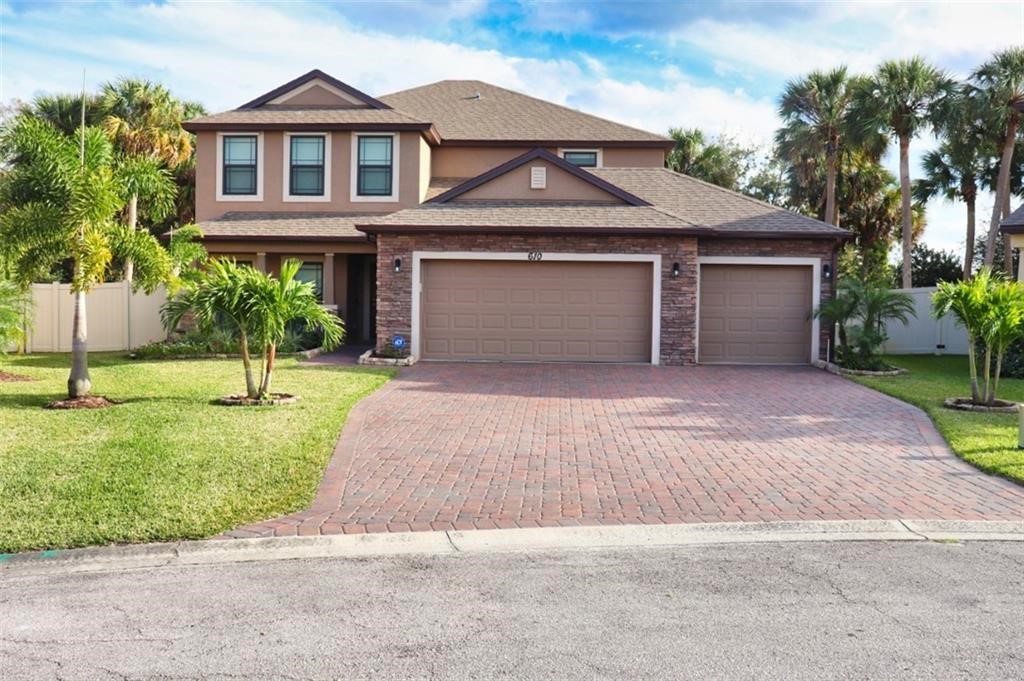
{"points": [[536, 311], [755, 315]]}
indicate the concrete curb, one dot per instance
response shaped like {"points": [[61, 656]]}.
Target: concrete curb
{"points": [[205, 552]]}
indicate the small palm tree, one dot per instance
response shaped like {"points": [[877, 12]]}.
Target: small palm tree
{"points": [[58, 202], [970, 302], [259, 308], [999, 83], [902, 98], [860, 309]]}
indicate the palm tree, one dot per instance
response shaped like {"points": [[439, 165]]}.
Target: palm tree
{"points": [[144, 121], [955, 170], [814, 109], [58, 202], [277, 302], [902, 97], [259, 307], [64, 111], [999, 82], [967, 301], [860, 309], [721, 161]]}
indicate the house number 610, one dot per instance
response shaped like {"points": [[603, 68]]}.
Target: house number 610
{"points": [[534, 256]]}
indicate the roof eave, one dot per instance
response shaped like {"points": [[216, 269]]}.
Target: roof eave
{"points": [[426, 128], [642, 144], [282, 237], [532, 230]]}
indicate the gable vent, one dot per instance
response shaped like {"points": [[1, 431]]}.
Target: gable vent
{"points": [[538, 177]]}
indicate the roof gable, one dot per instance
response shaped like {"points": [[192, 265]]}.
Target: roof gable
{"points": [[316, 88], [470, 187]]}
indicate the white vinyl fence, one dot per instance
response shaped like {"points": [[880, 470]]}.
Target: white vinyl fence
{"points": [[925, 334], [116, 318]]}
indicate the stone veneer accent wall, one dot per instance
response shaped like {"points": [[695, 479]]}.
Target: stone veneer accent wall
{"points": [[794, 248], [678, 296]]}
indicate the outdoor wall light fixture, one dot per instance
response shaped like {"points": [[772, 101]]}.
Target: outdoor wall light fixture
{"points": [[398, 264], [675, 270], [826, 271]]}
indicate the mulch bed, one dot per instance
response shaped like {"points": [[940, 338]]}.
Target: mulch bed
{"points": [[13, 378], [87, 402], [965, 404], [274, 399]]}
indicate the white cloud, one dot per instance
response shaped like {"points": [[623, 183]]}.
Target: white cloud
{"points": [[860, 35]]}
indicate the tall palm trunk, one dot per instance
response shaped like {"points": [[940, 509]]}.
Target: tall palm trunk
{"points": [[831, 216], [908, 236], [1007, 243], [133, 220], [1002, 189], [972, 360], [250, 382], [79, 383], [269, 370], [970, 195]]}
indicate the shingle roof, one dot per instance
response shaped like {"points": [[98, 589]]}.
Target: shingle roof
{"points": [[323, 226], [497, 114], [710, 206], [520, 216], [1014, 222], [295, 118]]}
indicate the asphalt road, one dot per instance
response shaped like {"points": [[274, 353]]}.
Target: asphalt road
{"points": [[809, 610]]}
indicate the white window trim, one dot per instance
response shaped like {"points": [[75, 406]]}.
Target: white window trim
{"points": [[258, 196], [600, 156], [655, 259], [813, 263], [396, 169], [286, 169]]}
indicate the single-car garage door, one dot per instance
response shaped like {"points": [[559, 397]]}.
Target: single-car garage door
{"points": [[755, 314], [536, 311]]}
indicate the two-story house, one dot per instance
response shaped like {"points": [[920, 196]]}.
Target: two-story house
{"points": [[478, 223]]}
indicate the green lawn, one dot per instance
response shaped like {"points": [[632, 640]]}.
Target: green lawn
{"points": [[165, 464], [989, 441]]}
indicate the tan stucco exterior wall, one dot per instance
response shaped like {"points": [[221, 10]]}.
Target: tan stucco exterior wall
{"points": [[632, 158], [207, 206], [425, 163], [560, 186]]}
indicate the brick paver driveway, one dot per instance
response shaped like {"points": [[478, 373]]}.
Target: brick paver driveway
{"points": [[520, 445]]}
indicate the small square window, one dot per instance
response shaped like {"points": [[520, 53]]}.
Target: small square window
{"points": [[583, 159]]}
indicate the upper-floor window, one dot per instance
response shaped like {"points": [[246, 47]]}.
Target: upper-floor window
{"points": [[584, 158], [240, 165], [306, 165], [375, 165]]}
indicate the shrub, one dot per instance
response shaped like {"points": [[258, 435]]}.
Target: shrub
{"points": [[860, 310]]}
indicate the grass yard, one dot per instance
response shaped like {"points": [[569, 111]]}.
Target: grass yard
{"points": [[166, 464], [989, 441]]}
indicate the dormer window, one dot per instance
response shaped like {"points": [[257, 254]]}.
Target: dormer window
{"points": [[240, 165], [374, 167], [584, 158], [307, 160]]}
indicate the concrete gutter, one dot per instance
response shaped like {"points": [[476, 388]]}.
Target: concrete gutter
{"points": [[207, 552]]}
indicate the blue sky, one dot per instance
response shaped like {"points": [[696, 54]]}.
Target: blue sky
{"points": [[714, 65]]}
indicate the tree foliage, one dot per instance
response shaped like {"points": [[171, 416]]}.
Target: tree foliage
{"points": [[719, 160], [859, 310]]}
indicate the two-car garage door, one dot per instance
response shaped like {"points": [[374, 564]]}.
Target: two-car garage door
{"points": [[536, 311]]}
